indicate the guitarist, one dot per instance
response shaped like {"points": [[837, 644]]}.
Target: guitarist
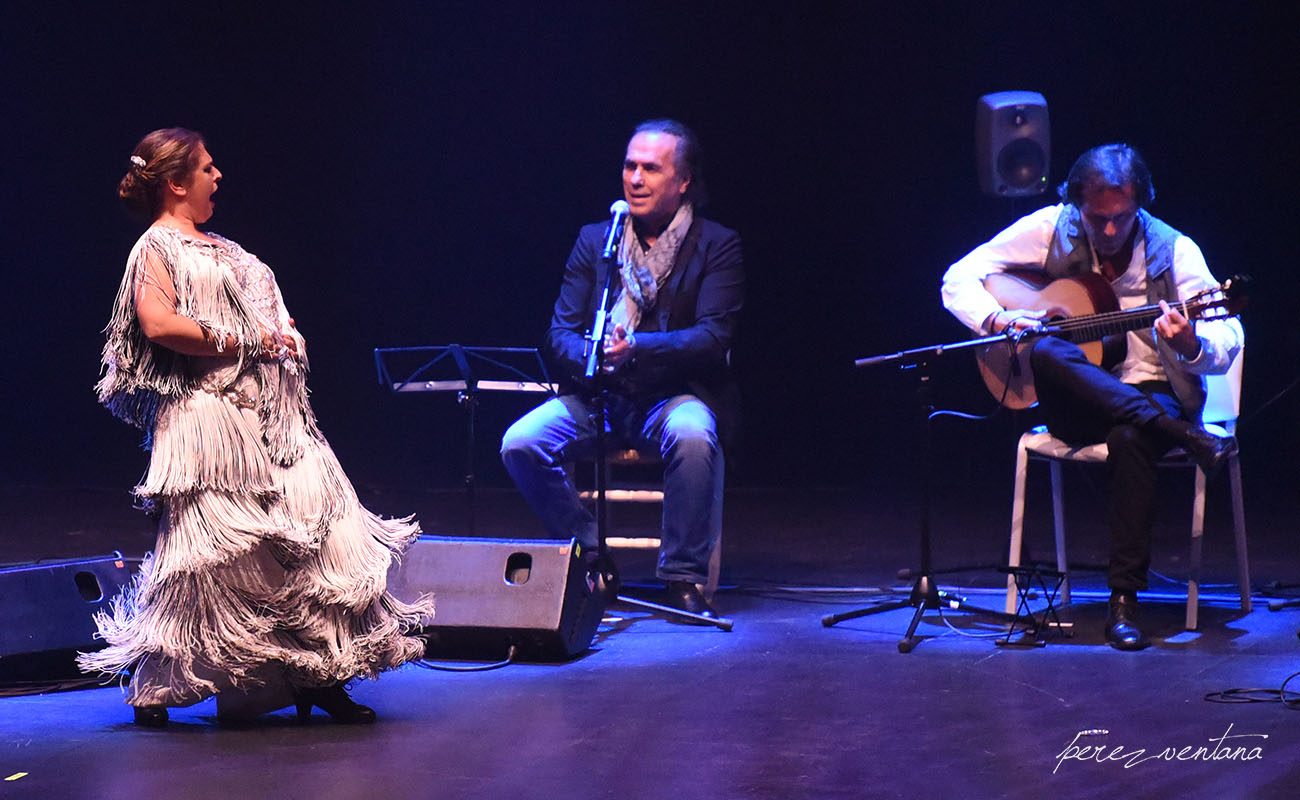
{"points": [[1149, 400]]}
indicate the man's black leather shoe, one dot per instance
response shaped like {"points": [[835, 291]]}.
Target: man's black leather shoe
{"points": [[602, 574], [1122, 632], [686, 596], [1210, 452]]}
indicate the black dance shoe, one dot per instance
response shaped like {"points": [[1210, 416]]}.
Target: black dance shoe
{"points": [[333, 700], [1122, 632], [686, 596], [151, 716]]}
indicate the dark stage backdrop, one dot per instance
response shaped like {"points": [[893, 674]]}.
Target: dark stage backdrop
{"points": [[416, 173]]}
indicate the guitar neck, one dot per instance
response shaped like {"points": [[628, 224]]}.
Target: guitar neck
{"points": [[1094, 327]]}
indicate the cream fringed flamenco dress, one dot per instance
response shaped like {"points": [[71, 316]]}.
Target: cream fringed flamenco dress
{"points": [[268, 574]]}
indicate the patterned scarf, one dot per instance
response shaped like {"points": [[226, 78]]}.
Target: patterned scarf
{"points": [[644, 272]]}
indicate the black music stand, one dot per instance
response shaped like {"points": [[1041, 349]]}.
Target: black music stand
{"points": [[466, 371], [925, 592]]}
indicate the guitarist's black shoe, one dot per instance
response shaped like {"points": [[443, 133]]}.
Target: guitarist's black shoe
{"points": [[1210, 452], [1122, 631]]}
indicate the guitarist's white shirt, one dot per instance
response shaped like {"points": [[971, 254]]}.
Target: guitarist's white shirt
{"points": [[1142, 362], [1025, 243]]}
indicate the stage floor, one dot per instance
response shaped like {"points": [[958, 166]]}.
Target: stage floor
{"points": [[780, 707]]}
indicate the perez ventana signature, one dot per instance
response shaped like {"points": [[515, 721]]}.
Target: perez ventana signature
{"points": [[1226, 747]]}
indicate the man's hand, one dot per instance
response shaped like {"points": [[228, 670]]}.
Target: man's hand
{"points": [[618, 348], [1018, 319], [1174, 328]]}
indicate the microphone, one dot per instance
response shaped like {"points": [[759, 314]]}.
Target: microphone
{"points": [[620, 210]]}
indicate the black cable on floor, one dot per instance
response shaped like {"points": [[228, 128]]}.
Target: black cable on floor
{"points": [[510, 659], [1278, 695]]}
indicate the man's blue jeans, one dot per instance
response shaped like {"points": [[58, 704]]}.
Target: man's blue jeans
{"points": [[535, 449]]}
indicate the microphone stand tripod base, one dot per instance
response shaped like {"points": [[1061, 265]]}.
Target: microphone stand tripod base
{"points": [[724, 623], [925, 595]]}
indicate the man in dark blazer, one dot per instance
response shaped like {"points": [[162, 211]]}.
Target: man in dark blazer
{"points": [[674, 304]]}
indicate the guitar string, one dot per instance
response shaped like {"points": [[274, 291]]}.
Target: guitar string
{"points": [[1194, 306], [1198, 304], [1123, 320]]}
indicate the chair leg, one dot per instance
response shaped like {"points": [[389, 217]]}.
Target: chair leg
{"points": [[1017, 524], [1058, 525], [1239, 532], [1194, 563]]}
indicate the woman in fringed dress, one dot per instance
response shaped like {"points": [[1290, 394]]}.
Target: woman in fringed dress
{"points": [[267, 584]]}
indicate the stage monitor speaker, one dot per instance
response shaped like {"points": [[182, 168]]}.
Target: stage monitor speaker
{"points": [[1012, 143], [46, 612], [490, 594]]}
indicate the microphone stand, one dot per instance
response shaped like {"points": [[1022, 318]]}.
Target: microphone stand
{"points": [[604, 570], [925, 592]]}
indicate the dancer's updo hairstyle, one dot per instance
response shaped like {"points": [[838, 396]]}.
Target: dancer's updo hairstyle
{"points": [[169, 154]]}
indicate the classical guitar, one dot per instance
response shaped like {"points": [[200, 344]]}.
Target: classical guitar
{"points": [[1084, 310]]}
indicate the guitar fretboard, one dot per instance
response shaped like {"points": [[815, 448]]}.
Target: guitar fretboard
{"points": [[1093, 327]]}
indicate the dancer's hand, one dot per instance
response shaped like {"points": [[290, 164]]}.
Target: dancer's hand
{"points": [[276, 346]]}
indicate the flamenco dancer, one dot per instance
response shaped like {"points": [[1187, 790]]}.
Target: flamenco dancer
{"points": [[267, 585]]}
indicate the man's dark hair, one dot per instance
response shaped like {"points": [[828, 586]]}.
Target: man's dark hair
{"points": [[1110, 166], [687, 157]]}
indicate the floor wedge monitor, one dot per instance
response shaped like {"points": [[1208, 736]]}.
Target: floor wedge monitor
{"points": [[491, 594]]}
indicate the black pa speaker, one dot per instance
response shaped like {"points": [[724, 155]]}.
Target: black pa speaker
{"points": [[46, 610], [1012, 143], [490, 594]]}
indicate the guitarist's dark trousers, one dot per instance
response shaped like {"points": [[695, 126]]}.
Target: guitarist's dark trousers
{"points": [[1084, 404]]}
